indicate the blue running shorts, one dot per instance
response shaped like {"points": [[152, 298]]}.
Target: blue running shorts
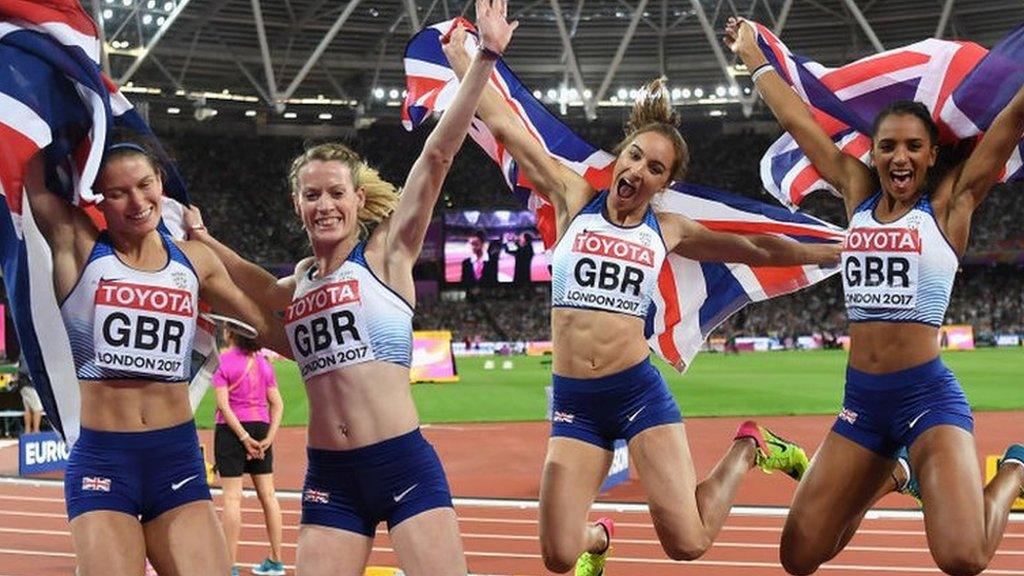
{"points": [[355, 490], [882, 412], [138, 473], [600, 410]]}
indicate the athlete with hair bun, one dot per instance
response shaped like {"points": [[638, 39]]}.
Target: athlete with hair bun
{"points": [[605, 386], [129, 299], [902, 253], [348, 320]]}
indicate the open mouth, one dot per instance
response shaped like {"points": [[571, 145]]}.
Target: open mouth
{"points": [[625, 189], [901, 178]]}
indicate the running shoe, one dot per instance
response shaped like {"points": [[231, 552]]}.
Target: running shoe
{"points": [[268, 568], [773, 451], [1015, 455], [234, 571], [590, 564], [910, 485]]}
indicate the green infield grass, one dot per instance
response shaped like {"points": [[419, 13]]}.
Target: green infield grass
{"points": [[754, 384]]}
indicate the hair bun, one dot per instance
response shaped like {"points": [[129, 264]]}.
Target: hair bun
{"points": [[653, 106]]}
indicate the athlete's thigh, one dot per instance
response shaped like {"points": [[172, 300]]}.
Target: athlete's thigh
{"points": [[108, 543], [843, 481], [662, 458], [572, 477], [187, 540], [429, 544], [325, 551], [945, 461]]}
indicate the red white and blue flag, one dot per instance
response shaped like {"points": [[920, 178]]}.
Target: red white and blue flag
{"points": [[54, 99], [961, 83], [693, 298]]}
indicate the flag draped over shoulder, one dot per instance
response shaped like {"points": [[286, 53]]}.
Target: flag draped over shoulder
{"points": [[961, 83], [54, 98], [692, 297]]}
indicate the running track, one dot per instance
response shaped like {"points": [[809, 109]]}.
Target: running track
{"points": [[500, 537]]}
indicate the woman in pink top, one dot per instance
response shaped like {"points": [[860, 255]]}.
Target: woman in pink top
{"points": [[245, 387]]}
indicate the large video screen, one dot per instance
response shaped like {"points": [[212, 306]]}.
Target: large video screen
{"points": [[493, 247]]}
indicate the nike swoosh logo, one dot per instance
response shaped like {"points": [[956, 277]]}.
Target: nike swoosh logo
{"points": [[398, 497], [637, 413], [176, 485], [918, 417]]}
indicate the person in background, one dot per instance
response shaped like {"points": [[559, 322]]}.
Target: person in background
{"points": [[30, 398], [249, 409], [480, 267]]}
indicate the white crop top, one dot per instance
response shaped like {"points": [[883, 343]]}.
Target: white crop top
{"points": [[902, 271], [125, 323], [347, 318], [599, 265]]}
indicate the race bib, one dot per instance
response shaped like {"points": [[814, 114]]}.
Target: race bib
{"points": [[143, 329], [608, 273], [880, 267], [326, 329]]}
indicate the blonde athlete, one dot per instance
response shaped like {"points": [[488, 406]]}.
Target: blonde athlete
{"points": [[348, 314]]}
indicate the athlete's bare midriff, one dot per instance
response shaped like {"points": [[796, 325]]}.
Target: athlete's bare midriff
{"points": [[360, 405], [133, 405], [592, 343], [884, 347]]}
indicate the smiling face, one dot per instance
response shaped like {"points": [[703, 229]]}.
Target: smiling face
{"points": [[328, 202], [902, 152], [132, 195], [643, 168]]}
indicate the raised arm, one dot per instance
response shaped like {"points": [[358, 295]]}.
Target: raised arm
{"points": [[693, 240], [67, 229], [265, 289], [848, 175], [565, 189], [982, 169], [408, 225]]}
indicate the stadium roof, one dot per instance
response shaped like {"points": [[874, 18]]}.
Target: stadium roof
{"points": [[319, 58]]}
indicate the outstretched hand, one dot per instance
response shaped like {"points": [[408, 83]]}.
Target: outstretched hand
{"points": [[493, 26], [741, 39], [495, 33]]}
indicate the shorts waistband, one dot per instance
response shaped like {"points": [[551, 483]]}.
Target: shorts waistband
{"points": [[147, 440], [373, 454], [930, 370], [626, 377]]}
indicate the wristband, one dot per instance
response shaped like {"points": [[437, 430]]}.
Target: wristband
{"points": [[489, 54], [197, 228], [244, 438], [760, 71]]}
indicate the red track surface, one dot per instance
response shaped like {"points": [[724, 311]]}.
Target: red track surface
{"points": [[503, 461]]}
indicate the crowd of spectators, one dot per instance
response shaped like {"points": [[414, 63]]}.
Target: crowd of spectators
{"points": [[240, 182]]}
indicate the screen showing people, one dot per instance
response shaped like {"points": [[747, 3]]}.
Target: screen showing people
{"points": [[490, 248]]}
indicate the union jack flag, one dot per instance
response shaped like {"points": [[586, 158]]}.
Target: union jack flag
{"points": [[963, 85], [316, 496], [53, 98], [692, 297], [96, 483]]}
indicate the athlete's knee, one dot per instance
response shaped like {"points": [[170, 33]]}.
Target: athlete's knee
{"points": [[686, 549], [557, 561], [962, 562], [796, 556]]}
